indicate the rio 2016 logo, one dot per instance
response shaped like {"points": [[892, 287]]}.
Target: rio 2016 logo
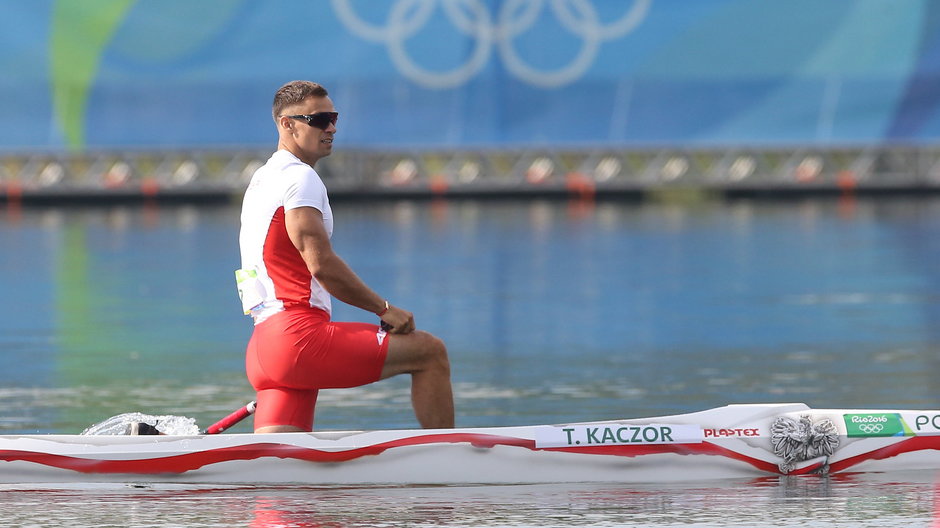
{"points": [[874, 424], [488, 32]]}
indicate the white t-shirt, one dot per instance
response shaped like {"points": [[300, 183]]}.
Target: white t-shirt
{"points": [[281, 184]]}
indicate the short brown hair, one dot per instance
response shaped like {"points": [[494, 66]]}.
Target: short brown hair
{"points": [[295, 92]]}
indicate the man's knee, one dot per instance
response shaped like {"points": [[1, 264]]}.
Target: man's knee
{"points": [[437, 356], [416, 352], [433, 352]]}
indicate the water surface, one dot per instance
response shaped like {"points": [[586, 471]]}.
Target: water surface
{"points": [[552, 312]]}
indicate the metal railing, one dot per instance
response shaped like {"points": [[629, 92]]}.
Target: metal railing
{"points": [[473, 172]]}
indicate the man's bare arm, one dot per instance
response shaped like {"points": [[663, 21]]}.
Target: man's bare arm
{"points": [[306, 231]]}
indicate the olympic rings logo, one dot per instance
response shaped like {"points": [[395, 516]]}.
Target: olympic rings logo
{"points": [[473, 18], [871, 428]]}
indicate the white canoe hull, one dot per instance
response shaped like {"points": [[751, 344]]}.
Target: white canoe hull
{"points": [[728, 442]]}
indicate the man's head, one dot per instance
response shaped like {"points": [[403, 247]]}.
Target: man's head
{"points": [[306, 120]]}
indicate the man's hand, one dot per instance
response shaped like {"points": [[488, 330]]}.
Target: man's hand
{"points": [[400, 321]]}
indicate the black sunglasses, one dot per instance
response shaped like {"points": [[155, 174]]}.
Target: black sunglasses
{"points": [[321, 120]]}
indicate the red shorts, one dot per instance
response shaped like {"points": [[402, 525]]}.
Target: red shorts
{"points": [[294, 353]]}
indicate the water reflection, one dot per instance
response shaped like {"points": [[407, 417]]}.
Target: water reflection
{"points": [[846, 501]]}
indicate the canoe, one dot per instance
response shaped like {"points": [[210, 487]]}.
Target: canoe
{"points": [[750, 440]]}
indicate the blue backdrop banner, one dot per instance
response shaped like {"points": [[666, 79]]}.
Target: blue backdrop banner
{"points": [[472, 73]]}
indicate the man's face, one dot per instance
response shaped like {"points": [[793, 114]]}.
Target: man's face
{"points": [[314, 142]]}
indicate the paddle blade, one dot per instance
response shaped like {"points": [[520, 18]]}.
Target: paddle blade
{"points": [[128, 424]]}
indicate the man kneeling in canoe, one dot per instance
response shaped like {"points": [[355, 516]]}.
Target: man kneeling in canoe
{"points": [[290, 271]]}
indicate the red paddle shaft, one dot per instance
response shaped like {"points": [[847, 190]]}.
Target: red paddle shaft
{"points": [[231, 419]]}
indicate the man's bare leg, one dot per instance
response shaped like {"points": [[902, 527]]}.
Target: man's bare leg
{"points": [[280, 429], [424, 357]]}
